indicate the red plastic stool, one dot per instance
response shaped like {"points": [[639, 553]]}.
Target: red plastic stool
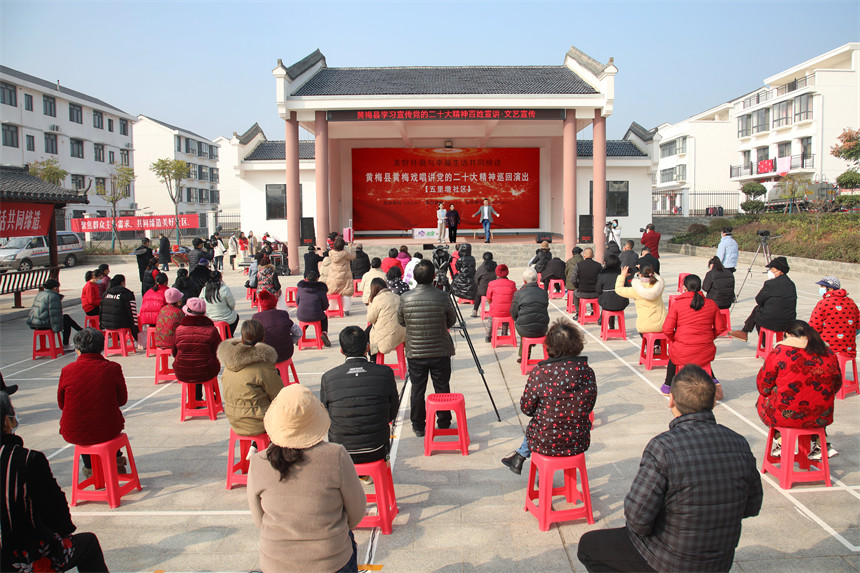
{"points": [[304, 341], [499, 339], [355, 284], [672, 298], [150, 340], [92, 322], [527, 363], [247, 271], [464, 301], [620, 331], [106, 478], [570, 308], [766, 341], [284, 368], [163, 372], [584, 303], [223, 329], [291, 296], [335, 312], [782, 466], [119, 341], [456, 404], [485, 308], [251, 294], [400, 368], [383, 496], [209, 406], [848, 385], [47, 343], [546, 466], [681, 278], [727, 315], [241, 466], [646, 353], [539, 279], [551, 288]]}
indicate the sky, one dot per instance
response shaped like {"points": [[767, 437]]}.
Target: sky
{"points": [[207, 66]]}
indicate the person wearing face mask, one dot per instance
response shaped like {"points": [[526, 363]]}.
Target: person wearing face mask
{"points": [[776, 302], [612, 232], [836, 317]]}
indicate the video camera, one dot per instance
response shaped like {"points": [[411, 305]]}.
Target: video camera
{"points": [[763, 233], [441, 260]]}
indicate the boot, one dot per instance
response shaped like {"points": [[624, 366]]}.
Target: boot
{"points": [[739, 334], [514, 462]]}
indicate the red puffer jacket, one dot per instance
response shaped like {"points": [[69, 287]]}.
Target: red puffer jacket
{"points": [[195, 346], [90, 298], [500, 293], [692, 332], [153, 300], [837, 319], [91, 391]]}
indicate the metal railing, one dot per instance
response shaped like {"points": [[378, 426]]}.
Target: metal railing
{"points": [[767, 95], [698, 203], [757, 168]]}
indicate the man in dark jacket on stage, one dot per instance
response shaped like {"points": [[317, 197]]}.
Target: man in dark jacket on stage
{"points": [[584, 278], [360, 264], [427, 313], [529, 309], [775, 303], [361, 399]]}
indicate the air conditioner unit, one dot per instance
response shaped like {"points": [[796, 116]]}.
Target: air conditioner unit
{"points": [[132, 206], [128, 146], [55, 128]]}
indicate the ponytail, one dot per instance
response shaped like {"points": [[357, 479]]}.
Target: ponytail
{"points": [[814, 342], [693, 284]]}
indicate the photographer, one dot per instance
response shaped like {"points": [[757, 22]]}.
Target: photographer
{"points": [[612, 232], [651, 239], [200, 251]]}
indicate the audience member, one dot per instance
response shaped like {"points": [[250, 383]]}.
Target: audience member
{"points": [[463, 284], [719, 283], [312, 259], [361, 399], [253, 267], [559, 397], [267, 277], [375, 272], [185, 285], [169, 318], [542, 257], [303, 492], [218, 250], [410, 269], [312, 302], [648, 260], [427, 313], [569, 266], [775, 304], [149, 275], [483, 275], [530, 309], [394, 281], [727, 250], [220, 303], [339, 279], [195, 345], [651, 239], [104, 281], [197, 253], [360, 264], [152, 302], [500, 295], [90, 298], [119, 309], [47, 312], [199, 275], [628, 256], [695, 485], [403, 256], [607, 298], [836, 317], [385, 332], [554, 271], [38, 533], [391, 260], [584, 279], [646, 291], [280, 332]]}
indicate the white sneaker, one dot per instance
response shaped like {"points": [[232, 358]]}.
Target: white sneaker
{"points": [[251, 452], [815, 452], [776, 448], [831, 451]]}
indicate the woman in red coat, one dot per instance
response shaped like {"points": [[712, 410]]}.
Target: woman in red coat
{"points": [[500, 294], [195, 346], [90, 393], [90, 299], [693, 323], [153, 300], [651, 239], [798, 382]]}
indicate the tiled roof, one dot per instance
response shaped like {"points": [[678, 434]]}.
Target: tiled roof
{"points": [[252, 132], [614, 148], [305, 64], [276, 151], [445, 81], [586, 61], [645, 135], [173, 127], [60, 89], [16, 184]]}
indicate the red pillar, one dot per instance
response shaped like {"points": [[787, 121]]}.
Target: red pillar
{"points": [[293, 214], [322, 177], [568, 186], [599, 156]]}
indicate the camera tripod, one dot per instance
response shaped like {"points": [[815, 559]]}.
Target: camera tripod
{"points": [[764, 248]]}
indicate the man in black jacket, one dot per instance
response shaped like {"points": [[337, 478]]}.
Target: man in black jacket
{"points": [[197, 253], [312, 260], [529, 309], [144, 255], [118, 309], [554, 271], [775, 303], [360, 264], [164, 252], [648, 260], [584, 278], [361, 399]]}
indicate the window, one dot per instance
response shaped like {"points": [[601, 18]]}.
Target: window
{"points": [[747, 157], [192, 171], [667, 149], [191, 195], [99, 152], [98, 119], [49, 106], [28, 102], [803, 107], [806, 147], [616, 198], [178, 143], [10, 135], [214, 196], [190, 146], [123, 156], [51, 143], [79, 181], [213, 152], [744, 123], [674, 147], [76, 148], [110, 125], [762, 153], [76, 113], [202, 173], [203, 195], [9, 94], [101, 183], [276, 201], [667, 175], [784, 149], [782, 114], [681, 172], [213, 174], [123, 127], [111, 157], [31, 142], [761, 120], [202, 149]]}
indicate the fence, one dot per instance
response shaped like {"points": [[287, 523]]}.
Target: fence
{"points": [[683, 202]]}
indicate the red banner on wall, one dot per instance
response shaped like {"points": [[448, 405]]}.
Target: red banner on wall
{"points": [[25, 219], [102, 224], [402, 188]]}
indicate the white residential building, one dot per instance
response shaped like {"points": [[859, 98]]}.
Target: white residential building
{"points": [[42, 120], [154, 140], [790, 124]]}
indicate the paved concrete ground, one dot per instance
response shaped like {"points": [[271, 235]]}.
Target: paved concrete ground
{"points": [[456, 513]]}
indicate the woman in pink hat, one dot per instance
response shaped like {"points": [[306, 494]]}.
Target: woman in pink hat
{"points": [[195, 346]]}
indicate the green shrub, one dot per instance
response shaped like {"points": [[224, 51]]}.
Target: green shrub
{"points": [[697, 229], [848, 201], [753, 206], [849, 180], [718, 224], [753, 190]]}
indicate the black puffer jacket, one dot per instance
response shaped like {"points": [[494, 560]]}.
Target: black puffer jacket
{"points": [[164, 251], [427, 313], [463, 284], [529, 311], [360, 264], [542, 259], [199, 276], [188, 287], [720, 287], [606, 297], [361, 399], [777, 301], [584, 276], [485, 273], [118, 310], [311, 301], [554, 270]]}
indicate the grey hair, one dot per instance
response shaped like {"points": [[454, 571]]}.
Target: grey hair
{"points": [[90, 341], [530, 275]]}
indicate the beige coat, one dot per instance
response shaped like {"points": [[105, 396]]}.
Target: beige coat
{"points": [[368, 277], [325, 267], [386, 334], [650, 310], [339, 279], [250, 382]]}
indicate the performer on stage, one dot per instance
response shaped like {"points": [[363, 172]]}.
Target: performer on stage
{"points": [[453, 221], [440, 223], [486, 213]]}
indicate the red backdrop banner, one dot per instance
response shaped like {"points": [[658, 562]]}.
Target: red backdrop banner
{"points": [[101, 224], [401, 188], [25, 219]]}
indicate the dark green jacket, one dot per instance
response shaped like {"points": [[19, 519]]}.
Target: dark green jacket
{"points": [[46, 312]]}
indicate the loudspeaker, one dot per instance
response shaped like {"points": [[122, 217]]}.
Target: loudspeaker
{"points": [[586, 223], [308, 234], [541, 237]]}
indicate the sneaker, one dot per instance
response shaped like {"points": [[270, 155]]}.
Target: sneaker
{"points": [[776, 448], [831, 451], [474, 314], [326, 342], [574, 316], [87, 472], [365, 480], [815, 453], [505, 330], [665, 389], [486, 338], [251, 452]]}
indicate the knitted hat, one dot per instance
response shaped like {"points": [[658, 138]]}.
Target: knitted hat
{"points": [[268, 301], [195, 307], [296, 419], [830, 282], [502, 271], [779, 263], [172, 295], [203, 262]]}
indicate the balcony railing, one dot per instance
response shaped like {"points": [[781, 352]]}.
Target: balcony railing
{"points": [[767, 95], [742, 170], [767, 166], [712, 203], [803, 161]]}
